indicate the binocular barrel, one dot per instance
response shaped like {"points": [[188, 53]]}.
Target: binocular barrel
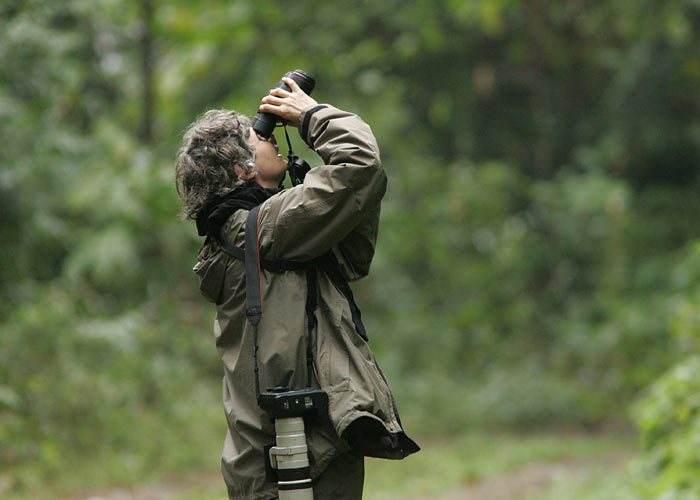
{"points": [[264, 123]]}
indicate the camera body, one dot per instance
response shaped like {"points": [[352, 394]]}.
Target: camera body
{"points": [[264, 123], [280, 402]]}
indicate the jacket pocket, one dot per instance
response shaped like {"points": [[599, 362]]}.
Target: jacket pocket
{"points": [[211, 269]]}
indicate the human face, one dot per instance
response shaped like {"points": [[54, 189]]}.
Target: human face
{"points": [[270, 165]]}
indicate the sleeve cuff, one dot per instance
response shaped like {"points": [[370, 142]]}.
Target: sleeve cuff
{"points": [[304, 128]]}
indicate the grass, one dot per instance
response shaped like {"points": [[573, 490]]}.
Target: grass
{"points": [[181, 457], [606, 479], [472, 458], [154, 448], [593, 483], [445, 465]]}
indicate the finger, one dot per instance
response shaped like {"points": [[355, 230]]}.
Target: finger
{"points": [[278, 109], [270, 108], [270, 99], [280, 92], [292, 84]]}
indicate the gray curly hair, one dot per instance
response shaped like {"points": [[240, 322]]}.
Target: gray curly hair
{"points": [[211, 149]]}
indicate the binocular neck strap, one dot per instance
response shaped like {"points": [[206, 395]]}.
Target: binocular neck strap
{"points": [[290, 154], [296, 167]]}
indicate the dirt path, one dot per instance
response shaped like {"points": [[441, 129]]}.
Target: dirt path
{"points": [[155, 492], [170, 491], [525, 481]]}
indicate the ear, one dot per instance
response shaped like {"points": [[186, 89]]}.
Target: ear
{"points": [[242, 173]]}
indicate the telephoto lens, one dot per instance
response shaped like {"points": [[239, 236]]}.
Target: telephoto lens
{"points": [[264, 123], [291, 459]]}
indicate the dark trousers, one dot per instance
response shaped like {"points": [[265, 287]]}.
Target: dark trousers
{"points": [[342, 480]]}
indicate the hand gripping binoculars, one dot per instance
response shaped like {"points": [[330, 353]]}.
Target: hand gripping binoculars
{"points": [[264, 123]]}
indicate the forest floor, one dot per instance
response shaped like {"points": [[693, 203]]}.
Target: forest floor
{"points": [[530, 482], [569, 477]]}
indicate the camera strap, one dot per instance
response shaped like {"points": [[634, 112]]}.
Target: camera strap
{"points": [[254, 299], [253, 294], [327, 263]]}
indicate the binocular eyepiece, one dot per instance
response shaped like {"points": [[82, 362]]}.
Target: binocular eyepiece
{"points": [[264, 123]]}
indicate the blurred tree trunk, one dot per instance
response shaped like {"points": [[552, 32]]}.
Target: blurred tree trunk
{"points": [[540, 93], [146, 128]]}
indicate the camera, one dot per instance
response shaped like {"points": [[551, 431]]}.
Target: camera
{"points": [[287, 462], [264, 123], [281, 402]]}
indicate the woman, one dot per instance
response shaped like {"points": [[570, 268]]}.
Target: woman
{"points": [[328, 222]]}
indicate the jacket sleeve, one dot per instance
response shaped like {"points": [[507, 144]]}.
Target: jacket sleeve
{"points": [[356, 250], [337, 204]]}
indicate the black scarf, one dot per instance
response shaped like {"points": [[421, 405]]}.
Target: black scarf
{"points": [[213, 216]]}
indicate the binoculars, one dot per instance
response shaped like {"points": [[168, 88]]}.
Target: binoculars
{"points": [[264, 123]]}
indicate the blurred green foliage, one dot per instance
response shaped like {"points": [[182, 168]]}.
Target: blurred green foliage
{"points": [[669, 414], [536, 242]]}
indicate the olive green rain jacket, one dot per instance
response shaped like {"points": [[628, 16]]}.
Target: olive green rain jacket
{"points": [[336, 207]]}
